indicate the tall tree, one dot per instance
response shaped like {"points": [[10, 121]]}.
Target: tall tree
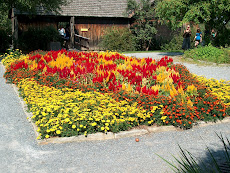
{"points": [[213, 13], [30, 5], [143, 27], [4, 21]]}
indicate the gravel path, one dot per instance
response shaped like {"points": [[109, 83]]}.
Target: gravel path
{"points": [[212, 71], [20, 153]]}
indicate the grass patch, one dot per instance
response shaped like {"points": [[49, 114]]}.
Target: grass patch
{"points": [[209, 54]]}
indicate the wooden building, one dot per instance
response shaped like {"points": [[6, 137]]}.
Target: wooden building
{"points": [[87, 19]]}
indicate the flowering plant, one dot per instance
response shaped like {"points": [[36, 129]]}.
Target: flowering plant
{"points": [[72, 93]]}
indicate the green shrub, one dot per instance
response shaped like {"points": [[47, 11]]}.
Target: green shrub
{"points": [[118, 39], [209, 53], [4, 41], [38, 38], [174, 44]]}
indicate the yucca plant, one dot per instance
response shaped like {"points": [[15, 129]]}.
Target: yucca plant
{"points": [[188, 163]]}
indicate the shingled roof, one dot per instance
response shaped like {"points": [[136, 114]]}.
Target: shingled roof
{"points": [[95, 8], [90, 8]]}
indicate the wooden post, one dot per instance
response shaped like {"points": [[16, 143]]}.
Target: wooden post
{"points": [[14, 21], [16, 31], [72, 32]]}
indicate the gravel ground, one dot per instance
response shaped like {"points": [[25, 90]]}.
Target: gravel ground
{"points": [[209, 71], [20, 153]]}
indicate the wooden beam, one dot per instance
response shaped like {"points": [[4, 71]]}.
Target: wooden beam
{"points": [[14, 21], [72, 32]]}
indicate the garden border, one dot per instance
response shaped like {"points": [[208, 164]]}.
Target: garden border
{"points": [[136, 131]]}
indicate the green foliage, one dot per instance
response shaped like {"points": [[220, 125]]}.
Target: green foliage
{"points": [[5, 23], [222, 38], [209, 53], [144, 26], [118, 39], [30, 6], [4, 40], [213, 13], [38, 38], [174, 44]]}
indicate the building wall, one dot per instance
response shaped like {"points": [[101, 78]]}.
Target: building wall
{"points": [[94, 28], [25, 22]]}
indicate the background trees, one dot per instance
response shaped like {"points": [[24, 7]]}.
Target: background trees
{"points": [[143, 27], [215, 14], [30, 5]]}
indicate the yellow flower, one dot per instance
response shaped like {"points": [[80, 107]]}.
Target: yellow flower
{"points": [[163, 118], [58, 132], [73, 126], [94, 124], [47, 136]]}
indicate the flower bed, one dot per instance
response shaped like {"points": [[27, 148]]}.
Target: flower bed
{"points": [[73, 93]]}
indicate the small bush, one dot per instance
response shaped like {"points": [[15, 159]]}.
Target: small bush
{"points": [[118, 39], [209, 53], [4, 41], [174, 44], [38, 38]]}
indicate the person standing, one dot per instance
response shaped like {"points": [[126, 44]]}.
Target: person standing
{"points": [[213, 34], [186, 42], [61, 31], [198, 37]]}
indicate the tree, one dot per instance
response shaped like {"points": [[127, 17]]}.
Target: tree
{"points": [[143, 27], [212, 13], [30, 5]]}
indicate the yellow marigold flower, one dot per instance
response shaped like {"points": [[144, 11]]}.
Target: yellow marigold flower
{"points": [[58, 132], [102, 128], [73, 126], [163, 117], [94, 124], [47, 136], [67, 120]]}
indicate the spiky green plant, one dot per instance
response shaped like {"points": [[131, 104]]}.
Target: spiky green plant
{"points": [[188, 163]]}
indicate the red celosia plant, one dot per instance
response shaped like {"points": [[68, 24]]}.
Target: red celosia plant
{"points": [[146, 81]]}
